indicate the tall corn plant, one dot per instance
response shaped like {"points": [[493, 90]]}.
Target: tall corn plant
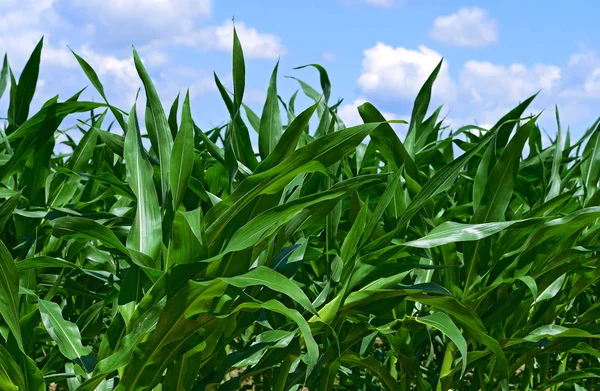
{"points": [[323, 261]]}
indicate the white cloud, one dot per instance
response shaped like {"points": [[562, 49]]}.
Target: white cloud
{"points": [[156, 58], [592, 83], [383, 3], [255, 95], [254, 44], [487, 82], [145, 17], [584, 67], [20, 46], [177, 79], [483, 92], [469, 27], [586, 58], [20, 32], [157, 10], [590, 89], [328, 56], [400, 72], [15, 15]]}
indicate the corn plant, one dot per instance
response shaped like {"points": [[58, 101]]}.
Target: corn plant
{"points": [[327, 258]]}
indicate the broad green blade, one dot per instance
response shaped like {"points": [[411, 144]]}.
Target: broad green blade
{"points": [[4, 75], [26, 86], [443, 323], [270, 120], [9, 293], [65, 334], [420, 110], [145, 235], [159, 128], [182, 159], [80, 228], [451, 232]]}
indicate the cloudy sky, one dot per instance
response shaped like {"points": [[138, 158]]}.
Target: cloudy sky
{"points": [[495, 53]]}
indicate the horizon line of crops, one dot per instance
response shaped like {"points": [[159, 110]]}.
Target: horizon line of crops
{"points": [[333, 258]]}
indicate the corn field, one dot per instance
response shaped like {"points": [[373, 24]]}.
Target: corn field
{"points": [[324, 258]]}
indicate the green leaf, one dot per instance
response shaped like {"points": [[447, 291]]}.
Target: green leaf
{"points": [[374, 365], [288, 141], [11, 377], [173, 117], [85, 148], [443, 323], [571, 376], [83, 229], [501, 181], [451, 232], [388, 194], [324, 151], [9, 293], [267, 223], [93, 77], [471, 323], [252, 118], [239, 71], [182, 161], [65, 334], [387, 142], [438, 183], [590, 165], [159, 127], [7, 209], [555, 180], [112, 141], [4, 75], [237, 133], [43, 261], [323, 77], [271, 279], [270, 120], [351, 242], [145, 235], [26, 86], [195, 220], [420, 110]]}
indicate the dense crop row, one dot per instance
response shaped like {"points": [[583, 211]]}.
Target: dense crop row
{"points": [[335, 258]]}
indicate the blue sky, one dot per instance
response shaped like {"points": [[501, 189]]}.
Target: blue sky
{"points": [[496, 53]]}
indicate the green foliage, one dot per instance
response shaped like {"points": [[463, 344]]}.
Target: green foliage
{"points": [[334, 258]]}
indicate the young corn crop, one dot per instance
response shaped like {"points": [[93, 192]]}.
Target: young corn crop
{"points": [[335, 258]]}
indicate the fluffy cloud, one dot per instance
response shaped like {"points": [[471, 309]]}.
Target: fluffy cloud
{"points": [[485, 81], [20, 31], [469, 27], [143, 19], [328, 56], [584, 67], [199, 82], [399, 72], [152, 12], [156, 27], [483, 91], [383, 3], [255, 44]]}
